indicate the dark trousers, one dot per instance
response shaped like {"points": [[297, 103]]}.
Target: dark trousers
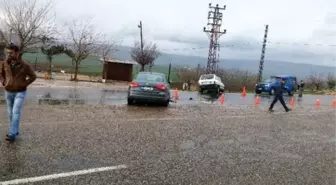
{"points": [[280, 98], [300, 92]]}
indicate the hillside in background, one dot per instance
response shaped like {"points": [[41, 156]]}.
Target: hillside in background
{"points": [[271, 67], [92, 66]]}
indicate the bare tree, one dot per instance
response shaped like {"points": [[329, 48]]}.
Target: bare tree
{"points": [[189, 75], [84, 42], [106, 50], [28, 20], [50, 48], [2, 46], [146, 56], [317, 80], [235, 79]]}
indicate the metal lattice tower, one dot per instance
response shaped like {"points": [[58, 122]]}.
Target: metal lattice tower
{"points": [[215, 21], [263, 50]]}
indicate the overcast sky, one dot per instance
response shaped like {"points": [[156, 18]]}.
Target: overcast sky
{"points": [[177, 25]]}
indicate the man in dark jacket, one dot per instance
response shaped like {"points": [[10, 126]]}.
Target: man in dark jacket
{"points": [[279, 89], [15, 76]]}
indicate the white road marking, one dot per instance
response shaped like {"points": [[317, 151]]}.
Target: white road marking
{"points": [[62, 175]]}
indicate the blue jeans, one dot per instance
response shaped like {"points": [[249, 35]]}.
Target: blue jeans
{"points": [[15, 102]]}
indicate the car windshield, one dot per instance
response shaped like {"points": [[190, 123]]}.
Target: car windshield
{"points": [[207, 77], [271, 80], [147, 77]]}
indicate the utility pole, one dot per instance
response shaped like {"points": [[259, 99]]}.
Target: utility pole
{"points": [[263, 50], [169, 69], [198, 70], [141, 41], [215, 20]]}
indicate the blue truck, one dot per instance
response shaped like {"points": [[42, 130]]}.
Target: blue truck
{"points": [[269, 84]]}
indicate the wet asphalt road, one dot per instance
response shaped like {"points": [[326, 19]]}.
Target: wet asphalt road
{"points": [[181, 144], [94, 96]]}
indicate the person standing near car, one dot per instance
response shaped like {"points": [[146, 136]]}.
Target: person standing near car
{"points": [[279, 89], [300, 88], [15, 76]]}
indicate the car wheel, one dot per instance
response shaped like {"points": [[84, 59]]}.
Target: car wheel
{"points": [[272, 91], [130, 101], [166, 104], [290, 93], [258, 92]]}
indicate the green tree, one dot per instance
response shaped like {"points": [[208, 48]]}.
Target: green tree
{"points": [[331, 82], [51, 49]]}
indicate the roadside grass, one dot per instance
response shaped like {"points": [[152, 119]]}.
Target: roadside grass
{"points": [[90, 67]]}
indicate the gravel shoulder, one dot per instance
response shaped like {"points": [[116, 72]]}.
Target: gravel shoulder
{"points": [[196, 144]]}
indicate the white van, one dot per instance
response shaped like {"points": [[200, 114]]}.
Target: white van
{"points": [[210, 82]]}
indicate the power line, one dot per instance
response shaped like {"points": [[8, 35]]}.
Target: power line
{"points": [[294, 44], [215, 20]]}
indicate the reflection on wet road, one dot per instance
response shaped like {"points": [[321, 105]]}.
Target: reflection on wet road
{"points": [[190, 144], [56, 96]]}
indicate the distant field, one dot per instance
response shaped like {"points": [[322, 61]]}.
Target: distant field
{"points": [[91, 66]]}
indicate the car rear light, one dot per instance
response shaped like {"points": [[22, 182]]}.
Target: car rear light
{"points": [[161, 87], [133, 84]]}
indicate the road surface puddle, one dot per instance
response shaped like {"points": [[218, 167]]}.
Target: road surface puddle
{"points": [[61, 102]]}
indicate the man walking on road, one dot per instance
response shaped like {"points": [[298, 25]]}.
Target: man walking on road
{"points": [[15, 76], [279, 89]]}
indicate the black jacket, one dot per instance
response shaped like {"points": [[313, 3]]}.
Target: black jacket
{"points": [[280, 89], [301, 85]]}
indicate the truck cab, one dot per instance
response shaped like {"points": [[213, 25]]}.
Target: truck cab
{"points": [[269, 84]]}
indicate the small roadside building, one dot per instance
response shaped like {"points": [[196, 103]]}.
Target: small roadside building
{"points": [[117, 70]]}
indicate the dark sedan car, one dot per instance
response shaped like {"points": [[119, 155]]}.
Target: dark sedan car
{"points": [[149, 87]]}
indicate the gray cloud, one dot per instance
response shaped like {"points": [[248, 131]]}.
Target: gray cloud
{"points": [[240, 43], [249, 48], [330, 18]]}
